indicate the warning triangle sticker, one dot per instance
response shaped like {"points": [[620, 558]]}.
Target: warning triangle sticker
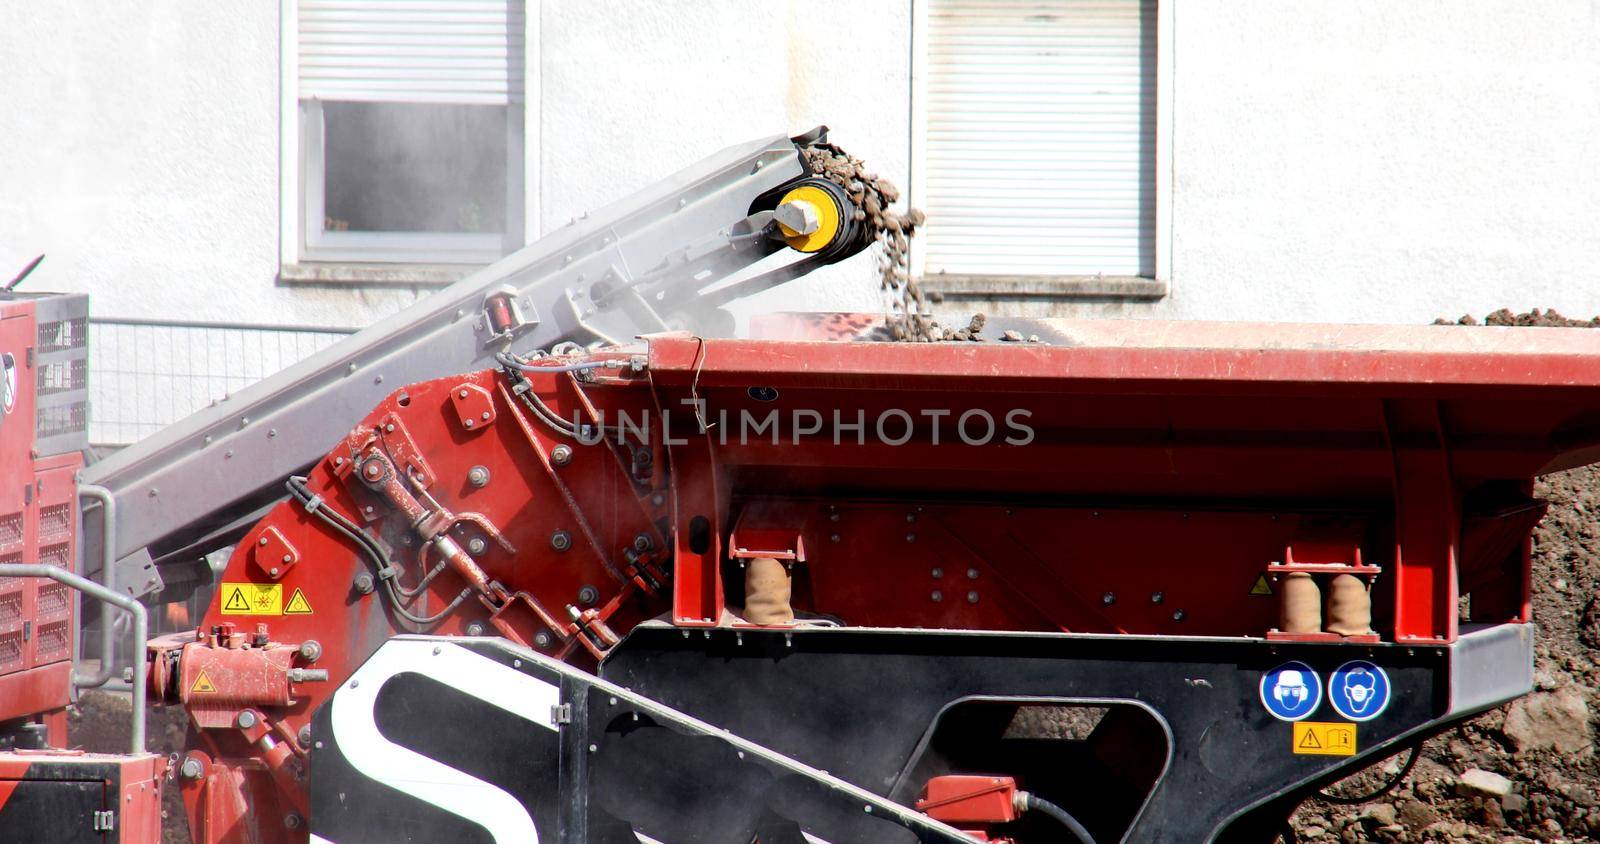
{"points": [[1262, 587], [236, 601], [298, 605], [1309, 742], [203, 685]]}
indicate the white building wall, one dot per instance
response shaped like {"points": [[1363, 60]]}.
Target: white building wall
{"points": [[139, 152], [1361, 161]]}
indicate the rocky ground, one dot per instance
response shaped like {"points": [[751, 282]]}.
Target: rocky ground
{"points": [[1527, 771]]}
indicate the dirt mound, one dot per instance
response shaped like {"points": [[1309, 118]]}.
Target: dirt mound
{"points": [[1534, 318], [1527, 771]]}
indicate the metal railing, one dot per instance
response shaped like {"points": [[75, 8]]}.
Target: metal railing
{"points": [[145, 374]]}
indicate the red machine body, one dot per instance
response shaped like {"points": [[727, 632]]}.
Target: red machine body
{"points": [[38, 513], [1127, 478]]}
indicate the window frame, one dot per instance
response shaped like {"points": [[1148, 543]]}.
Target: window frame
{"points": [[1064, 286], [386, 258], [320, 245]]}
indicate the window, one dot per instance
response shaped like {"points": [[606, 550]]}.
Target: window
{"points": [[1038, 157], [410, 130]]}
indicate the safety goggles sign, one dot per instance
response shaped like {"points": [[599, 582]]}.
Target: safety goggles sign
{"points": [[1291, 691], [1359, 690]]}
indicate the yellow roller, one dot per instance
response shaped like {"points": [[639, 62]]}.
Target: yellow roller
{"points": [[829, 219]]}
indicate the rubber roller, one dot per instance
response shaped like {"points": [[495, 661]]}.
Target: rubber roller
{"points": [[1301, 607], [766, 592], [1349, 606]]}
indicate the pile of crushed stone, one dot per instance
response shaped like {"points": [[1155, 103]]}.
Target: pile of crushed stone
{"points": [[1527, 771]]}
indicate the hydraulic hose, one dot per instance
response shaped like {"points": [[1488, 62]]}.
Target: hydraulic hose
{"points": [[1034, 803]]}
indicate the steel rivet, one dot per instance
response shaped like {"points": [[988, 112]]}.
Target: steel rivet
{"points": [[972, 574], [938, 572], [263, 541], [937, 596], [1108, 598], [911, 537], [462, 394], [288, 558], [389, 428], [485, 416], [468, 423], [1178, 616], [834, 537], [972, 597], [437, 650], [274, 571], [1157, 597], [272, 432]]}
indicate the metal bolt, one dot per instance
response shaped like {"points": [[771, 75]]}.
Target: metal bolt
{"points": [[389, 428], [1108, 598], [192, 768], [911, 537], [542, 638], [462, 394], [305, 736], [1157, 597], [468, 422], [938, 572], [477, 546], [367, 509], [292, 821], [363, 583], [245, 720], [834, 537], [273, 571], [437, 649], [484, 416], [152, 492], [263, 541], [561, 455], [288, 558], [311, 650], [972, 597], [478, 476], [373, 470], [588, 594], [972, 574], [338, 461], [937, 596], [272, 432], [911, 517], [834, 517], [475, 628], [641, 543], [658, 499], [561, 540], [1178, 615]]}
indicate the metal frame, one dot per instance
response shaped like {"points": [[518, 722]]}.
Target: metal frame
{"points": [[136, 646], [230, 458]]}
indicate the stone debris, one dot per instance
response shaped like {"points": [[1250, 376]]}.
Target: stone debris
{"points": [[1486, 783], [909, 317], [1556, 721]]}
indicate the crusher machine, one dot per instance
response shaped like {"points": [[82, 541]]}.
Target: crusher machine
{"points": [[528, 563]]}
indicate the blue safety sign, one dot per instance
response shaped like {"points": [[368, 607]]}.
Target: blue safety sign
{"points": [[1291, 691], [1359, 690]]}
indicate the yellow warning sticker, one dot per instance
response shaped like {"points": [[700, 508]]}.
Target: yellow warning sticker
{"points": [[1316, 738], [298, 605], [202, 685], [1261, 588], [252, 599]]}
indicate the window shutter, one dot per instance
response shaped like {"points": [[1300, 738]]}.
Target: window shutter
{"points": [[433, 51], [1040, 148]]}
